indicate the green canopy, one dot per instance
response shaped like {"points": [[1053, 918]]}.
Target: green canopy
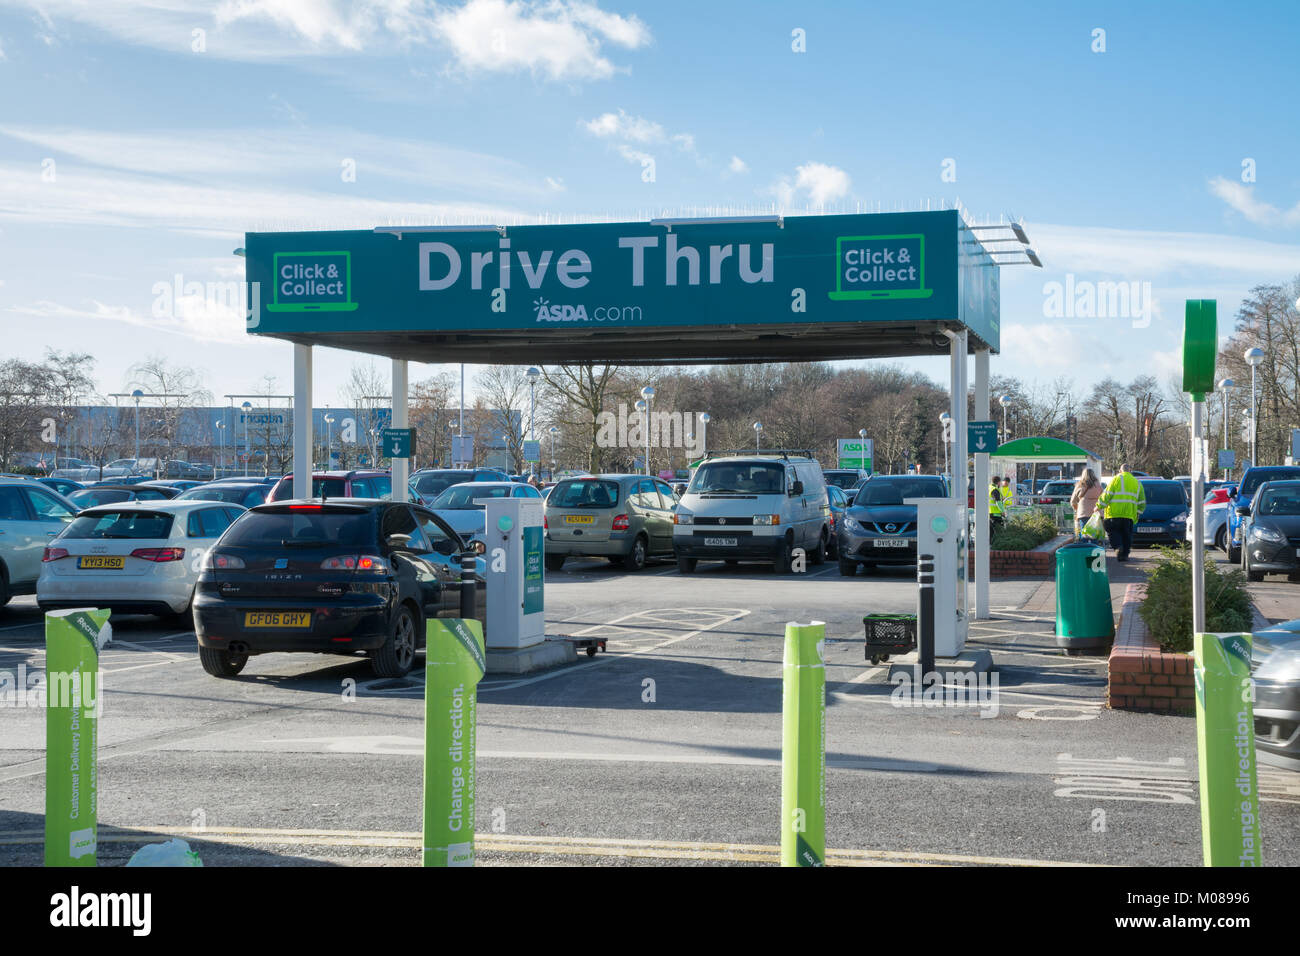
{"points": [[1042, 449]]}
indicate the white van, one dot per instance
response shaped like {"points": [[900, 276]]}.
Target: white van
{"points": [[753, 508]]}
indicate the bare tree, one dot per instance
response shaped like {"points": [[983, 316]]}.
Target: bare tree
{"points": [[503, 390]]}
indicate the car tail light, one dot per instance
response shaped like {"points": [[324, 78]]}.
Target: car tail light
{"points": [[545, 523], [53, 554], [304, 507], [621, 523], [158, 555], [222, 562], [354, 562]]}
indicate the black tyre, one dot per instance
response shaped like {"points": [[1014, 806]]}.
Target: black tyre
{"points": [[1221, 539], [5, 593], [781, 562], [397, 656], [555, 561], [848, 568], [635, 559], [1234, 554], [1251, 574], [686, 565], [591, 651], [818, 555], [221, 663]]}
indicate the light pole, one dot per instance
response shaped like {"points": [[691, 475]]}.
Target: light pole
{"points": [[247, 407], [1253, 358], [533, 375], [643, 408], [137, 395], [555, 430], [221, 437], [1005, 402], [862, 459], [944, 419], [758, 430], [329, 438], [705, 418], [647, 393], [1224, 386]]}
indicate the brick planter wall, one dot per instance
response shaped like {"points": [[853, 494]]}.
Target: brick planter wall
{"points": [[1142, 676], [1040, 562]]}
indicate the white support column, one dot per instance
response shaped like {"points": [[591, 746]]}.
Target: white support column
{"points": [[959, 418], [302, 422], [401, 419], [982, 491]]}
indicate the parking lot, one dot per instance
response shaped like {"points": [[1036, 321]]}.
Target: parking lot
{"points": [[666, 748]]}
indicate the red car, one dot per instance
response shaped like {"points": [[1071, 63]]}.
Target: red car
{"points": [[365, 483]]}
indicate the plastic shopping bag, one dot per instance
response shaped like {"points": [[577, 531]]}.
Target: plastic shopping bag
{"points": [[1093, 528], [172, 853]]}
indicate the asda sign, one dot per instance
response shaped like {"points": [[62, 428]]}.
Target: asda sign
{"points": [[882, 268], [856, 453]]}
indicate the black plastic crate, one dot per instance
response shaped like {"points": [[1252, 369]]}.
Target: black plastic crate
{"points": [[889, 634]]}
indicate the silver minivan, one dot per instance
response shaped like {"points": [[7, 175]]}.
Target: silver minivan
{"points": [[763, 507]]}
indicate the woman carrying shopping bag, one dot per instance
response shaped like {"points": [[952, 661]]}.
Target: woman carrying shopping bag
{"points": [[1083, 501]]}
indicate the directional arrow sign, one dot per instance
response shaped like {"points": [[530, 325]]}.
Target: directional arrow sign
{"points": [[982, 437], [399, 442]]}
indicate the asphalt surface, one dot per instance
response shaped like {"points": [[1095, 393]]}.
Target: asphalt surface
{"points": [[664, 749]]}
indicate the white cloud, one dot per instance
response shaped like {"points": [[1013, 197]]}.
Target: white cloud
{"points": [[558, 39], [634, 155], [2, 49], [620, 125], [820, 183], [1241, 197], [193, 317], [555, 184], [1147, 255], [737, 166]]}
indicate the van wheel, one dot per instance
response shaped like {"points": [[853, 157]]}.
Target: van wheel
{"points": [[848, 568], [221, 663], [555, 561], [635, 560], [5, 593], [819, 553], [686, 565], [781, 565], [397, 655]]}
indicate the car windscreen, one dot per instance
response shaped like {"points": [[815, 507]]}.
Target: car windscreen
{"points": [[433, 483], [120, 524], [461, 497], [897, 492], [89, 497], [1280, 501], [1164, 493], [738, 478], [302, 527], [841, 479], [1257, 476], [1058, 488], [583, 494]]}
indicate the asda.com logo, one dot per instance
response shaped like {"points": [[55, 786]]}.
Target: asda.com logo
{"points": [[557, 312]]}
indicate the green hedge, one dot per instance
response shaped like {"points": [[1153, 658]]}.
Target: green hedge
{"points": [[1024, 531], [1167, 608]]}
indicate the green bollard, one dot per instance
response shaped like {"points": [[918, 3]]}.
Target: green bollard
{"points": [[1225, 743], [454, 663], [803, 747], [72, 706]]}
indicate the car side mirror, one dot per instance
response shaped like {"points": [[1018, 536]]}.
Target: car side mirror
{"points": [[477, 547], [1232, 491], [1244, 511], [848, 500], [398, 542], [796, 489]]}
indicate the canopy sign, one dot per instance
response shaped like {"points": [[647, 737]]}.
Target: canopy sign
{"points": [[802, 277]]}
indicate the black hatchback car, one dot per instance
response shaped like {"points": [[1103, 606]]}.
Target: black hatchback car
{"points": [[328, 577]]}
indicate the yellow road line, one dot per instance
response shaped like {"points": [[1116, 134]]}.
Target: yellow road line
{"points": [[550, 845]]}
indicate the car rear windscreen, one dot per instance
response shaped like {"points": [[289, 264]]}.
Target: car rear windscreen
{"points": [[120, 524], [1164, 493], [433, 483], [462, 497], [1258, 476], [296, 527], [88, 498], [897, 492], [583, 494]]}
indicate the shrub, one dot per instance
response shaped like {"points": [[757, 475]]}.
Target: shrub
{"points": [[1167, 608], [1024, 531]]}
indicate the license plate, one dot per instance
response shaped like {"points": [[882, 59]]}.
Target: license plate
{"points": [[891, 542], [277, 619], [720, 542], [101, 563], [579, 519], [1150, 529]]}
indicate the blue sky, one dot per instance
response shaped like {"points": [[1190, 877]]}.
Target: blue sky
{"points": [[1126, 165]]}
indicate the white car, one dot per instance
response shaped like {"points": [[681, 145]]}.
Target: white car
{"points": [[30, 516], [136, 557]]}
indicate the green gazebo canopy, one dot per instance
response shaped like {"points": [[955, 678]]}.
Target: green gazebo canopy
{"points": [[1042, 449]]}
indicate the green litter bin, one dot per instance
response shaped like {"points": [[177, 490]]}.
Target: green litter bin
{"points": [[1084, 619]]}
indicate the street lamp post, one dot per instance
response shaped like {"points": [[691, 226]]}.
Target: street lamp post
{"points": [[758, 430], [648, 394], [221, 437], [1253, 358], [137, 395], [643, 407], [329, 438], [247, 407], [705, 418], [1005, 402], [1224, 386], [555, 430], [944, 419], [533, 375], [862, 459]]}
